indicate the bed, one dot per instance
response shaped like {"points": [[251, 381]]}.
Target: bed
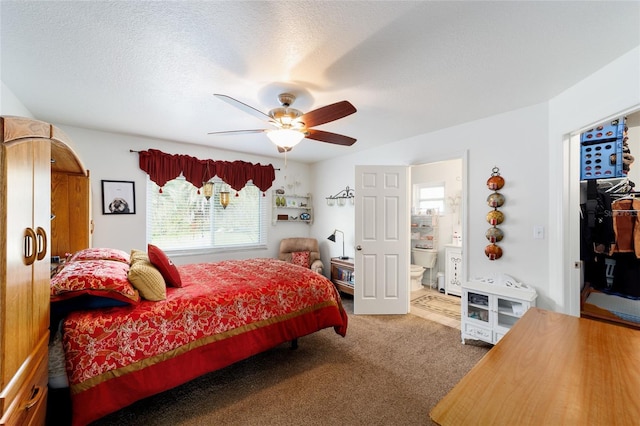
{"points": [[120, 346]]}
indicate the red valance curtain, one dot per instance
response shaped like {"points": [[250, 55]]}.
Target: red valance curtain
{"points": [[163, 167]]}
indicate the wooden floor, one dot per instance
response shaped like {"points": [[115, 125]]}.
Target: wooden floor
{"points": [[551, 369]]}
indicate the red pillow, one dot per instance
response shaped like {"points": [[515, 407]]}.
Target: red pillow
{"points": [[104, 278], [300, 258], [99, 253], [159, 259]]}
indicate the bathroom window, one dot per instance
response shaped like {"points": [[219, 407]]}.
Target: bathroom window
{"points": [[428, 196]]}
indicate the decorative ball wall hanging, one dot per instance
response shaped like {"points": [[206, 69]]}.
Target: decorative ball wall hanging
{"points": [[494, 217]]}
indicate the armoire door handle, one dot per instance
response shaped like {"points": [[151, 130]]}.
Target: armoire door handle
{"points": [[42, 242], [29, 242], [34, 397]]}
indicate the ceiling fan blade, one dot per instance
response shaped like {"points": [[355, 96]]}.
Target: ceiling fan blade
{"points": [[327, 113], [322, 136], [226, 132], [244, 107]]}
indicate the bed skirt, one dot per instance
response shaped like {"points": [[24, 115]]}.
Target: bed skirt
{"points": [[124, 389]]}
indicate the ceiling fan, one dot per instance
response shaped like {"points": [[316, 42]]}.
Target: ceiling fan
{"points": [[292, 125]]}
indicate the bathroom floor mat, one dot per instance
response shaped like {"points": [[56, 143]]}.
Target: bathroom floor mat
{"points": [[438, 307]]}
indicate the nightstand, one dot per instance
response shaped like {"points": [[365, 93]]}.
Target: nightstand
{"points": [[342, 274]]}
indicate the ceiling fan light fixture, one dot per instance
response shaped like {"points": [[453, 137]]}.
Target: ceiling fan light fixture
{"points": [[292, 125], [285, 138]]}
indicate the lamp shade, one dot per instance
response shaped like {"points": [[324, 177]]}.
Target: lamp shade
{"points": [[224, 199], [285, 138], [332, 238], [207, 189]]}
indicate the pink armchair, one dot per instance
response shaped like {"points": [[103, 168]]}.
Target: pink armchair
{"points": [[297, 245]]}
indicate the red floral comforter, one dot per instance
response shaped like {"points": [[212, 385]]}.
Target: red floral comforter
{"points": [[225, 311]]}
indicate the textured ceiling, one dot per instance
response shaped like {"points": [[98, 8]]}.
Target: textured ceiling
{"points": [[409, 67]]}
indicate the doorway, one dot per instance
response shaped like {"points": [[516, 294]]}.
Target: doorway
{"points": [[437, 198], [599, 289]]}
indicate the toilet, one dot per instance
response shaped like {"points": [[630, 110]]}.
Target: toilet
{"points": [[416, 277], [422, 259]]}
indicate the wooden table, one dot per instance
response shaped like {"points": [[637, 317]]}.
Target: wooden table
{"points": [[551, 369]]}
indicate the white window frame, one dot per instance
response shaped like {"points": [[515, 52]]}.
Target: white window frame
{"points": [[416, 196], [228, 217]]}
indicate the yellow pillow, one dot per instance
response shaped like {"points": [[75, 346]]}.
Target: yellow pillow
{"points": [[146, 278], [137, 255]]}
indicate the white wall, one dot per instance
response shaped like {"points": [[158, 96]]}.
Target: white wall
{"points": [[530, 146], [10, 104], [514, 142], [107, 157]]}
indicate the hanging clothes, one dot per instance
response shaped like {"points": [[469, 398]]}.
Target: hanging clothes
{"points": [[597, 234], [626, 226], [599, 218], [626, 249]]}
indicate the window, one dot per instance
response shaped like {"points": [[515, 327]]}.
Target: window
{"points": [[180, 219], [428, 196]]}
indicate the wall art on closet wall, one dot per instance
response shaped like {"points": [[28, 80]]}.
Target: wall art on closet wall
{"points": [[118, 197], [494, 217]]}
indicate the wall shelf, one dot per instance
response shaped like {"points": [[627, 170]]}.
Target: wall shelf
{"points": [[291, 208], [424, 231]]}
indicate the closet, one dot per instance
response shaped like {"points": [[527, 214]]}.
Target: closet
{"points": [[610, 226], [30, 151]]}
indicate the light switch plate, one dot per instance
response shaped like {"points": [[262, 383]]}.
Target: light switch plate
{"points": [[538, 232]]}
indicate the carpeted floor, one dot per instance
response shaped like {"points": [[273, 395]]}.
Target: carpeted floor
{"points": [[388, 370]]}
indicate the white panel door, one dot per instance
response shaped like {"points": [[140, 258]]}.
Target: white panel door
{"points": [[382, 240]]}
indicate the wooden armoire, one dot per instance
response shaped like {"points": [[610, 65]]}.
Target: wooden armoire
{"points": [[31, 152]]}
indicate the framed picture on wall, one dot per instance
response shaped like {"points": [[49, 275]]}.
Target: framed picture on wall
{"points": [[118, 197]]}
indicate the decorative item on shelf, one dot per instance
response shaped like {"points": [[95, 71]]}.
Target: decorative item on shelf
{"points": [[341, 197], [305, 216], [332, 238], [494, 217]]}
